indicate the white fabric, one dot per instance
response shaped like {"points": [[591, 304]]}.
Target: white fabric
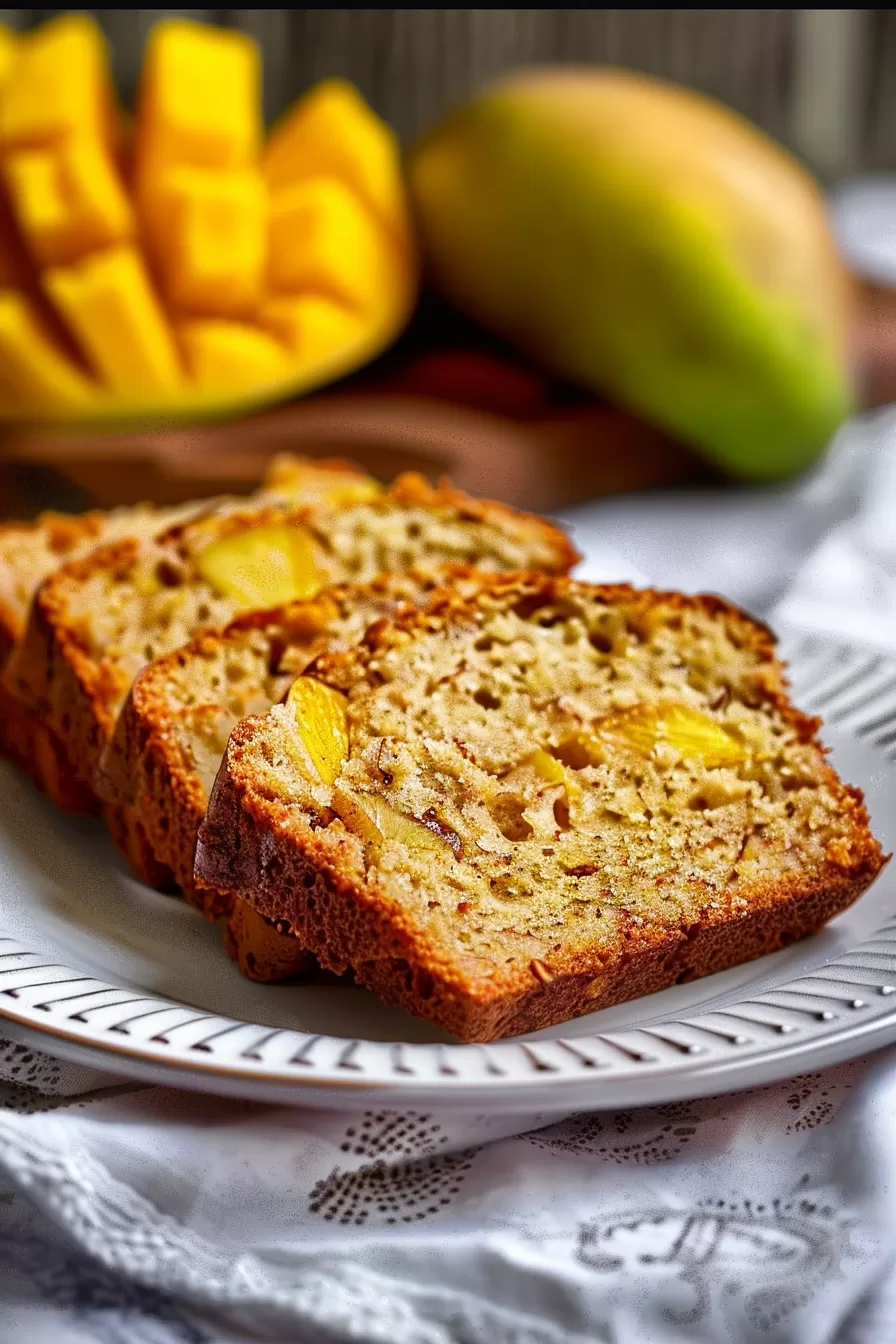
{"points": [[148, 1216]]}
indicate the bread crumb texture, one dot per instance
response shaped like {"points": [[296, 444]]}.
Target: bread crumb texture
{"points": [[555, 796]]}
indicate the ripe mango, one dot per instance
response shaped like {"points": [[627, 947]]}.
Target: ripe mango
{"points": [[648, 243], [214, 274]]}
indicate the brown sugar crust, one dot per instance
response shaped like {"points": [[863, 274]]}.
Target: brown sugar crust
{"points": [[293, 859]]}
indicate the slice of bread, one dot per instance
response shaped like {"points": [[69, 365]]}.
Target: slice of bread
{"points": [[537, 802], [97, 622], [171, 734], [30, 552]]}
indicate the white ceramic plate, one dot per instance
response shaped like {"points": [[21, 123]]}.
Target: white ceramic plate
{"points": [[99, 969]]}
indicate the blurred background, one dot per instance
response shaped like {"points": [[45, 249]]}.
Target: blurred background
{"points": [[821, 82]]}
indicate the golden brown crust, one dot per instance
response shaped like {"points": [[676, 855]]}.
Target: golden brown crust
{"points": [[37, 751], [285, 864], [132, 842], [262, 950]]}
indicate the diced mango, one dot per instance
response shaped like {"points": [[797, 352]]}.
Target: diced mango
{"points": [[68, 200], [109, 304], [376, 821], [322, 724], [200, 98], [263, 566], [59, 85], [215, 240], [230, 354], [332, 131], [36, 372], [310, 325], [142, 245], [695, 735], [322, 239], [9, 51]]}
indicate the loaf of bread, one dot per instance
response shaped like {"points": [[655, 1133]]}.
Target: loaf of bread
{"points": [[537, 801]]}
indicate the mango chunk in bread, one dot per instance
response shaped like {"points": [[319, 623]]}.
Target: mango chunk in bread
{"points": [[695, 823]]}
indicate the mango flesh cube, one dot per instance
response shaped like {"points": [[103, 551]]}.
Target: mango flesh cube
{"points": [[263, 566], [9, 50], [215, 250], [312, 326], [59, 85], [322, 239], [231, 355], [200, 97], [322, 724], [332, 131], [110, 306], [68, 200], [34, 370]]}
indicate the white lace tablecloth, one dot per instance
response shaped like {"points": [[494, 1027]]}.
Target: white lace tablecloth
{"points": [[146, 1216]]}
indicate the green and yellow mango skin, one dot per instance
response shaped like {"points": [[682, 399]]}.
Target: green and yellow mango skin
{"points": [[647, 243]]}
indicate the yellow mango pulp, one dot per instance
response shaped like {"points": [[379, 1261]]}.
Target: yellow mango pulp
{"points": [[159, 262], [58, 85], [9, 51], [200, 98], [33, 369], [332, 130], [231, 354], [322, 239], [311, 325], [264, 566], [215, 240], [68, 199], [111, 308], [322, 724], [695, 735], [376, 821]]}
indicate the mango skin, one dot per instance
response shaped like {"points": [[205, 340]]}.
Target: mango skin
{"points": [[647, 243]]}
